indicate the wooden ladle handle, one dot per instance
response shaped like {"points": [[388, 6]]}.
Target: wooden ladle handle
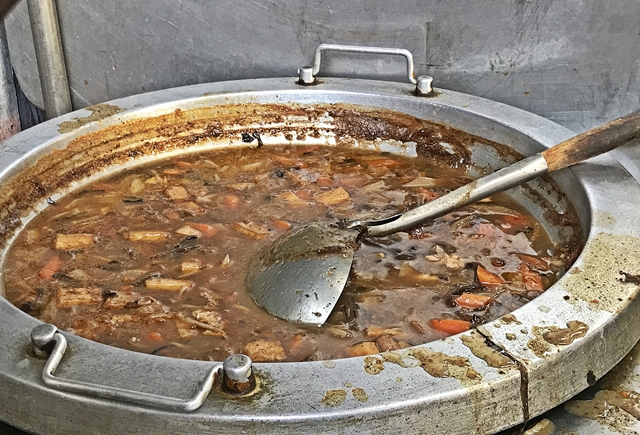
{"points": [[584, 146], [594, 142]]}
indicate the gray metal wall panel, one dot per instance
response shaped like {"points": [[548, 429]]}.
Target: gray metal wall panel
{"points": [[573, 61]]}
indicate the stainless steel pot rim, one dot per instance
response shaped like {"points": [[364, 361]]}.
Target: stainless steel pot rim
{"points": [[386, 388]]}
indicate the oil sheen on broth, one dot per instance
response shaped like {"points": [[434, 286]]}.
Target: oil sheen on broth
{"points": [[153, 259]]}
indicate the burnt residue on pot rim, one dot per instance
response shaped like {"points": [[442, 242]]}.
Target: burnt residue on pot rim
{"points": [[192, 130]]}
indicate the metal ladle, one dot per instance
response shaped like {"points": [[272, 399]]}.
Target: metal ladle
{"points": [[300, 276]]}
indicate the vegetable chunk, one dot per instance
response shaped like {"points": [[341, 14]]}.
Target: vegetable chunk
{"points": [[212, 319], [50, 268], [188, 230], [291, 198], [251, 229], [189, 267], [450, 326], [376, 331], [334, 196], [71, 297], [265, 351], [472, 300], [167, 284], [68, 242], [487, 278], [177, 193], [363, 348], [154, 258], [148, 236]]}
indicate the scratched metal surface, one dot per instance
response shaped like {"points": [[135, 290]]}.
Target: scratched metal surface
{"points": [[625, 376], [575, 62], [613, 420]]}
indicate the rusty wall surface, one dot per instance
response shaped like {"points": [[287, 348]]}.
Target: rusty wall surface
{"points": [[575, 62], [9, 118]]}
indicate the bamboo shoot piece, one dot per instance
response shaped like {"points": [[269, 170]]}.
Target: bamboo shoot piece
{"points": [[190, 267], [265, 351], [71, 297], [251, 229], [148, 236], [334, 196], [177, 193], [167, 284], [67, 242], [189, 231]]}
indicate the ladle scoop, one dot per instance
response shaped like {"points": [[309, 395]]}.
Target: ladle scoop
{"points": [[300, 276]]}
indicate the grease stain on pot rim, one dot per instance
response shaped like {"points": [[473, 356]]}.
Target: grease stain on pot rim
{"points": [[373, 365], [598, 281], [439, 364], [508, 319], [98, 113], [334, 397], [360, 395], [479, 347], [565, 336], [549, 338]]}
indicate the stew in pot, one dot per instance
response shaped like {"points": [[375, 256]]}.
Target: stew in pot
{"points": [[153, 259]]}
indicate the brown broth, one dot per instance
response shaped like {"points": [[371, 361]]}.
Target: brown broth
{"points": [[210, 213]]}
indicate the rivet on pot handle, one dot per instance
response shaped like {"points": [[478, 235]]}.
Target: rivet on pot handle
{"points": [[46, 336], [307, 75]]}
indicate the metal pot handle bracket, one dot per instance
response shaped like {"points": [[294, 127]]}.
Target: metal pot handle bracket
{"points": [[307, 74], [236, 373]]}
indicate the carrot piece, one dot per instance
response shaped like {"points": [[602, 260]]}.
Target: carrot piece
{"points": [[389, 163], [184, 165], [154, 336], [50, 268], [534, 262], [427, 195], [363, 348], [205, 229], [173, 171], [232, 201], [324, 181], [487, 278], [297, 341], [532, 280], [472, 300], [282, 225], [450, 326], [305, 195], [285, 160]]}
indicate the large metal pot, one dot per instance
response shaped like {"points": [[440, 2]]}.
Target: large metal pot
{"points": [[478, 382]]}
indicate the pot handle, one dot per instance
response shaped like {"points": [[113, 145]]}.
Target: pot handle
{"points": [[46, 336], [307, 74]]}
